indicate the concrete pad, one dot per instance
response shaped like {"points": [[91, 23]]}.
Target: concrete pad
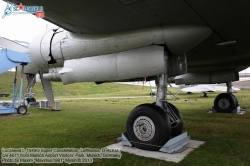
{"points": [[241, 112], [174, 157]]}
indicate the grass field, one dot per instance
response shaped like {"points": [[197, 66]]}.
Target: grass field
{"points": [[74, 90], [98, 123]]}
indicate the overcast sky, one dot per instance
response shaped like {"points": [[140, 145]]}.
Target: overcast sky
{"points": [[24, 27]]}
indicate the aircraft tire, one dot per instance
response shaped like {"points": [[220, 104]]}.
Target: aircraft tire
{"points": [[177, 130], [237, 103], [22, 110], [26, 102], [32, 99], [148, 127], [151, 94], [225, 103]]}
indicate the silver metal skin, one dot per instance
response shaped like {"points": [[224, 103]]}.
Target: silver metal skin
{"points": [[116, 26], [137, 63], [53, 75], [205, 78], [161, 90], [57, 45], [229, 87]]}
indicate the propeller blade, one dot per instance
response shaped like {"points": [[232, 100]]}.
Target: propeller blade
{"points": [[9, 44]]}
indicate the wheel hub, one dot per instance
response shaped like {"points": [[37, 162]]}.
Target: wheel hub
{"points": [[22, 110], [144, 128], [224, 103]]}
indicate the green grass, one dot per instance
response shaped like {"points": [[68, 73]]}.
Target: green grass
{"points": [[97, 123], [74, 90]]}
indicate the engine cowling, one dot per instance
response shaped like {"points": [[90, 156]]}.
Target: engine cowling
{"points": [[53, 75], [206, 78], [147, 61], [45, 50], [55, 45]]}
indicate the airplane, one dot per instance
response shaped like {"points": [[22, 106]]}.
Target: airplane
{"points": [[204, 88], [181, 42]]}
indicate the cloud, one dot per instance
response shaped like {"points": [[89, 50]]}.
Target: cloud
{"points": [[23, 27]]}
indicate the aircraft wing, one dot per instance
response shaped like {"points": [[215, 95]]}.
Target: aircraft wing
{"points": [[200, 88], [224, 88], [229, 21], [185, 41], [95, 16], [207, 88]]}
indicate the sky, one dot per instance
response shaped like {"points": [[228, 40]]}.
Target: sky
{"points": [[25, 27]]}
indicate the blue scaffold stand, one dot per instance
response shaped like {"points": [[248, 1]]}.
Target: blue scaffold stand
{"points": [[8, 60]]}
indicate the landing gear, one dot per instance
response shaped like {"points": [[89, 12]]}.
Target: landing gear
{"points": [[175, 119], [29, 97], [204, 94], [226, 102], [150, 126], [28, 100]]}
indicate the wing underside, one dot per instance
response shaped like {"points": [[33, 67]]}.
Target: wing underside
{"points": [[225, 49]]}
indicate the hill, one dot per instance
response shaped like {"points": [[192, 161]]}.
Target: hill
{"points": [[74, 90]]}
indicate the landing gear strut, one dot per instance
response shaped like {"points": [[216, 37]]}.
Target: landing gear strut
{"points": [[226, 102], [150, 126], [29, 97]]}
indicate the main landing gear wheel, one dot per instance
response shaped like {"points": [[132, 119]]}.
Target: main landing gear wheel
{"points": [[177, 127], [225, 103], [176, 122], [28, 100], [22, 110], [148, 127]]}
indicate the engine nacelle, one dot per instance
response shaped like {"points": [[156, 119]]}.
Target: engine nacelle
{"points": [[206, 78], [55, 45], [45, 49], [53, 75], [147, 61]]}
